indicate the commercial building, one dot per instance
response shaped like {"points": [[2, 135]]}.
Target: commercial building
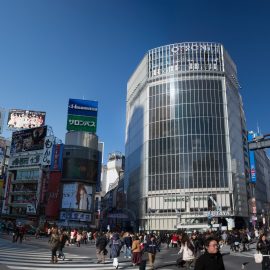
{"points": [[28, 175], [186, 140], [259, 199], [81, 165]]}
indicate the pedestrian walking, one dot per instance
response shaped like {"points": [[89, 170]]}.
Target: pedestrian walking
{"points": [[62, 242], [263, 246], [78, 239], [152, 247], [128, 243], [136, 251], [187, 252], [211, 259], [115, 245], [54, 244], [101, 243]]}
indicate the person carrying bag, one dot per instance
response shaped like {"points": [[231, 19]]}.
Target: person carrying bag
{"points": [[263, 248]]}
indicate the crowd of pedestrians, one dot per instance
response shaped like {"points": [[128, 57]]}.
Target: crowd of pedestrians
{"points": [[196, 250]]}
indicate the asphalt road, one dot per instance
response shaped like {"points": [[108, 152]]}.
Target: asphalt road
{"points": [[84, 257]]}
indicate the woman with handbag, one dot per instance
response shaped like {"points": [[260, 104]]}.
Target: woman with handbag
{"points": [[186, 252], [263, 246]]}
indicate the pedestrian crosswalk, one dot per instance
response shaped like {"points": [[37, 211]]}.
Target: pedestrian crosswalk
{"points": [[28, 257]]}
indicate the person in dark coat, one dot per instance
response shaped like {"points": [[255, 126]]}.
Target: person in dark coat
{"points": [[152, 247], [263, 246], [54, 243], [128, 243], [115, 245], [101, 243], [211, 259]]}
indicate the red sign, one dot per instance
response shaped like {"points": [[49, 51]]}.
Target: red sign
{"points": [[53, 195]]}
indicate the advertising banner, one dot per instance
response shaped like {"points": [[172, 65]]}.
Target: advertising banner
{"points": [[32, 159], [21, 119], [82, 115], [252, 206], [80, 169], [253, 177], [53, 195], [57, 157], [45, 178], [5, 202], [74, 216], [47, 151], [82, 107], [81, 123], [28, 140], [2, 116], [77, 196]]}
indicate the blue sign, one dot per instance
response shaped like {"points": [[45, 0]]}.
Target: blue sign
{"points": [[82, 107], [253, 177]]}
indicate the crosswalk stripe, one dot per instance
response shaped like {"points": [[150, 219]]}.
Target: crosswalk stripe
{"points": [[25, 258]]}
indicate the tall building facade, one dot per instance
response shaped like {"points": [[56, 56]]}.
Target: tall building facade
{"points": [[79, 179], [259, 199], [186, 140]]}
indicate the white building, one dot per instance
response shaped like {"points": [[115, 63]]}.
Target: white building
{"points": [[186, 142], [113, 170]]}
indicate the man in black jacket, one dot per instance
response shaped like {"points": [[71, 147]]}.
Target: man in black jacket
{"points": [[211, 259], [101, 251]]}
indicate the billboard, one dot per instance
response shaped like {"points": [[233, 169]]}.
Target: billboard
{"points": [[77, 196], [31, 159], [57, 157], [53, 195], [82, 115], [28, 140], [2, 116], [47, 151], [21, 119], [74, 216], [253, 175], [80, 169]]}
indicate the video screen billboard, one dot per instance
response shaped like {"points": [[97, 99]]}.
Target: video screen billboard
{"points": [[81, 169], [28, 140], [77, 196], [21, 119], [82, 115]]}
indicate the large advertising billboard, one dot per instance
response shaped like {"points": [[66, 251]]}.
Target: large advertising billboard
{"points": [[28, 140], [77, 196], [253, 175], [80, 169], [21, 119], [82, 115], [53, 195], [57, 157]]}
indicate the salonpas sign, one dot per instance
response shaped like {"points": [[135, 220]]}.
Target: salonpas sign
{"points": [[82, 115], [81, 123]]}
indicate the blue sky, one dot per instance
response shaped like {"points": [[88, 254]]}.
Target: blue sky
{"points": [[54, 50]]}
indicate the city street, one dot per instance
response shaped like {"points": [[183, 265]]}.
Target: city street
{"points": [[34, 254]]}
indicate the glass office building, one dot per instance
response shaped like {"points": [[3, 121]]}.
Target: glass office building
{"points": [[186, 144]]}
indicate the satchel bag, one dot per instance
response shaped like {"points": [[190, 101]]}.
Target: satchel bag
{"points": [[258, 258]]}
